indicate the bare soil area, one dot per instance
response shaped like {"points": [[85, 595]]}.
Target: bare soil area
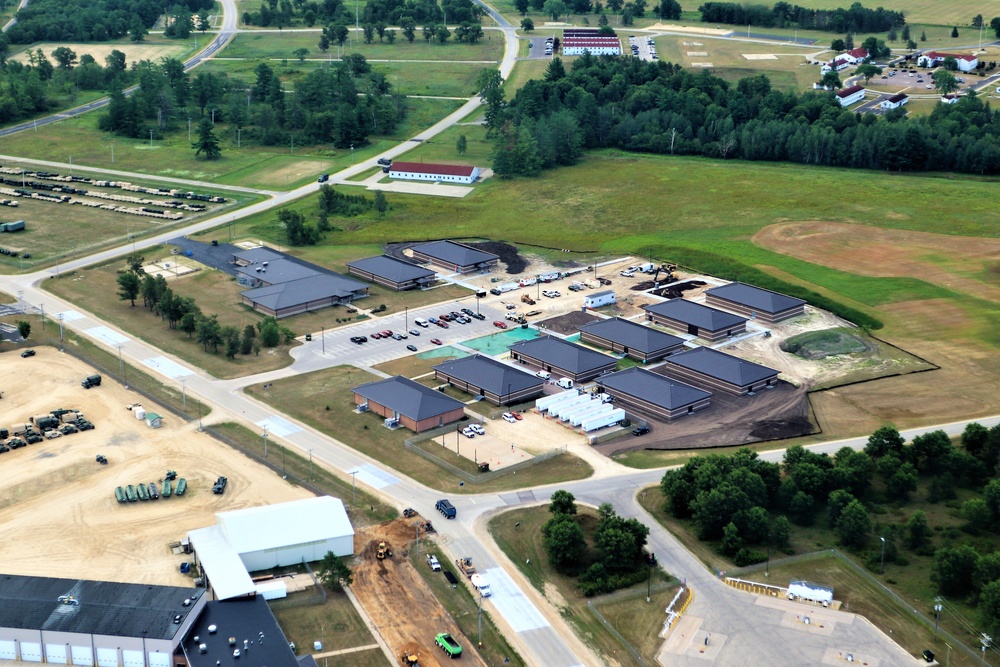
{"points": [[568, 323], [881, 252], [60, 502], [397, 599], [782, 412]]}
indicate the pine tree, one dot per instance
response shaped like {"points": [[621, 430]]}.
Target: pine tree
{"points": [[207, 142]]}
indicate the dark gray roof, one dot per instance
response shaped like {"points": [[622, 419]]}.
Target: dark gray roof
{"points": [[689, 312], [654, 388], [258, 255], [489, 374], [320, 286], [278, 271], [243, 619], [455, 253], [722, 366], [104, 607], [756, 298], [563, 354], [391, 268], [408, 398], [631, 334]]}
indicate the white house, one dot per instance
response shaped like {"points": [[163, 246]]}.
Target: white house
{"points": [[834, 65], [445, 173], [896, 101], [936, 59], [949, 99], [849, 96], [598, 299], [260, 538], [854, 56]]}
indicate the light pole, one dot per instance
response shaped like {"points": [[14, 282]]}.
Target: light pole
{"points": [[121, 365], [352, 153], [985, 640], [264, 438], [150, 138], [937, 613], [480, 618], [60, 316], [354, 491], [406, 318], [310, 465], [184, 395], [881, 568], [322, 338], [947, 660]]}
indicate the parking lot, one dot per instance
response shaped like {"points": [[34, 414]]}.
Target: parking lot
{"points": [[539, 47], [642, 47]]}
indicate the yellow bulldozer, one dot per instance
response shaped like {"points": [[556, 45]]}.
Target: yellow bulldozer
{"points": [[408, 659], [383, 551]]}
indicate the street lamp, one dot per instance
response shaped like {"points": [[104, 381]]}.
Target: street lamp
{"points": [[354, 492], [937, 613], [121, 364], [352, 153], [881, 568], [310, 465], [60, 316], [480, 618], [264, 438], [184, 396], [985, 640]]}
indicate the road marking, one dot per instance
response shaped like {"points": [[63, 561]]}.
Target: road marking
{"points": [[512, 604], [70, 315], [278, 426], [375, 477], [169, 368], [108, 336]]}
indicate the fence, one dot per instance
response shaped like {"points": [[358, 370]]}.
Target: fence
{"points": [[628, 595]]}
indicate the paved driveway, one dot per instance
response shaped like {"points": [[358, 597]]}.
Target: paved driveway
{"points": [[536, 50], [215, 257]]}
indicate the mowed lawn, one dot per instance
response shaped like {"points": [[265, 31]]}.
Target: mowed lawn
{"points": [[790, 69], [284, 45]]}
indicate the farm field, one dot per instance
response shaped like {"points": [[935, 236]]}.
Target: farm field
{"points": [[717, 207], [149, 49]]}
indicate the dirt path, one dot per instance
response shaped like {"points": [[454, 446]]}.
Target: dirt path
{"points": [[397, 599], [59, 502]]}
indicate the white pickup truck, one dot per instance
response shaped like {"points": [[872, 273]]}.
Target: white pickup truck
{"points": [[433, 562]]}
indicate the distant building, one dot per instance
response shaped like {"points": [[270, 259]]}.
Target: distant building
{"points": [[630, 338], [755, 302], [445, 173], [415, 406], [855, 56], [653, 394], [834, 65], [896, 101], [497, 382], [950, 98], [966, 63], [577, 41], [598, 299], [391, 272], [850, 95], [454, 256], [705, 367], [562, 358], [696, 319]]}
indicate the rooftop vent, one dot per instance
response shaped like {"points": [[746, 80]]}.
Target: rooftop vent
{"points": [[232, 641], [177, 619], [187, 602], [202, 648], [212, 629]]}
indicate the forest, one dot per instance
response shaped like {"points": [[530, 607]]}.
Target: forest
{"points": [[90, 20], [744, 504], [281, 13], [657, 107], [340, 105], [856, 19], [33, 88]]}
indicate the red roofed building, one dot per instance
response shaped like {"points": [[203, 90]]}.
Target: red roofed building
{"points": [[936, 58], [849, 96], [834, 65], [425, 171], [577, 41], [896, 101], [855, 56]]}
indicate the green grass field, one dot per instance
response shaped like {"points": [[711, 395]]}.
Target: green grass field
{"points": [[335, 623], [283, 45], [523, 545]]}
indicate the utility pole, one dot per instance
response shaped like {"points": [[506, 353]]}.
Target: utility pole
{"points": [[60, 316], [985, 640], [354, 491], [264, 437], [150, 138], [184, 396], [480, 618], [881, 569], [937, 613]]}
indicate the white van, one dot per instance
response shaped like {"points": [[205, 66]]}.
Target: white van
{"points": [[421, 322], [545, 376], [565, 383], [479, 583]]}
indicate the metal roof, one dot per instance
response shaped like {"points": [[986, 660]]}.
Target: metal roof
{"points": [[226, 571], [489, 374], [277, 271], [756, 298], [654, 388], [722, 366], [285, 524], [433, 169], [563, 354], [258, 255], [408, 398], [455, 253], [99, 607], [391, 268], [243, 620], [320, 286], [632, 334], [701, 316]]}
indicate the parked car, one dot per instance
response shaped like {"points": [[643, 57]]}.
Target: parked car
{"points": [[468, 432], [376, 336], [508, 417], [479, 316], [411, 348], [495, 292], [640, 430], [414, 332], [500, 325], [478, 428], [433, 562], [323, 178], [442, 324], [626, 274], [436, 341], [467, 311], [386, 333], [27, 353]]}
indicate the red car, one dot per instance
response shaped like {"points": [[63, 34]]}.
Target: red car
{"points": [[500, 325], [436, 341], [517, 415], [445, 316], [387, 333], [442, 324], [376, 335]]}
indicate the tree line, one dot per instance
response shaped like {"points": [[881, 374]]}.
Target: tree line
{"points": [[855, 19], [614, 557], [31, 88], [339, 17], [331, 203], [182, 313], [91, 20], [657, 107], [340, 105], [744, 504]]}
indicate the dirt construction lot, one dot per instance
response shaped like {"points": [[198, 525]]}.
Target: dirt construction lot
{"points": [[57, 501], [404, 610]]}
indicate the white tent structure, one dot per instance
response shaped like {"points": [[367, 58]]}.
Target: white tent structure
{"points": [[260, 538], [810, 592]]}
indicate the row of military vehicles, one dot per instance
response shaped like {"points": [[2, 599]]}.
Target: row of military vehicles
{"points": [[170, 486], [49, 426]]}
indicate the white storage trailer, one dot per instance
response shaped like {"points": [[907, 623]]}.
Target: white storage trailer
{"points": [[568, 415], [544, 402], [604, 420], [602, 409], [564, 400], [568, 406]]}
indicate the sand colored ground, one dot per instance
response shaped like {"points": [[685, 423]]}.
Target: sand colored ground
{"points": [[133, 52], [57, 504], [690, 30], [400, 603], [874, 251]]}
